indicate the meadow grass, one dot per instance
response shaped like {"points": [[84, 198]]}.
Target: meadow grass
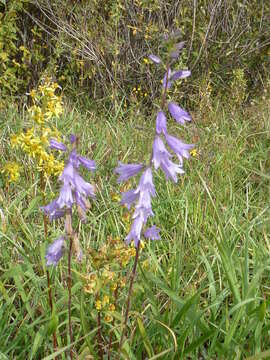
{"points": [[202, 292]]}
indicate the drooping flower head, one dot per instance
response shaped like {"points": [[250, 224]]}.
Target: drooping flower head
{"points": [[74, 190], [161, 157]]}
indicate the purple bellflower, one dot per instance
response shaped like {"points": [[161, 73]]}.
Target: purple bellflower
{"points": [[152, 233], [178, 113], [127, 171], [57, 145], [180, 149], [74, 190], [161, 123], [141, 197], [143, 208], [155, 59], [55, 251]]}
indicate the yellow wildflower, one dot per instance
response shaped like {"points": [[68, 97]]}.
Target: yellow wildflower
{"points": [[98, 305], [12, 170]]}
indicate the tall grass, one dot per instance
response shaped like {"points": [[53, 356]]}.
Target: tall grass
{"points": [[202, 292]]}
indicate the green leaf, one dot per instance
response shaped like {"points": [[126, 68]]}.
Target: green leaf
{"points": [[146, 341]]}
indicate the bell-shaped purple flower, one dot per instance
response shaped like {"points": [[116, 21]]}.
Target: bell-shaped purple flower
{"points": [[152, 233], [160, 153], [155, 59], [146, 182], [53, 211], [83, 187], [180, 74], [127, 171], [129, 197], [88, 164], [55, 251], [161, 125], [136, 229], [57, 145], [65, 198], [171, 169], [181, 149], [178, 113]]}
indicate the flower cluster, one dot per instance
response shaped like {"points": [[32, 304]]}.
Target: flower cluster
{"points": [[35, 140], [74, 191], [12, 171], [160, 158], [35, 143], [108, 277], [46, 104]]}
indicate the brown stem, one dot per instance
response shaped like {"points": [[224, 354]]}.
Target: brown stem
{"points": [[110, 340], [132, 277], [69, 296]]}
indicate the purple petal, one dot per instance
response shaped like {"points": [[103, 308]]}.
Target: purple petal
{"points": [[55, 251], [83, 187], [52, 210], [68, 173], [80, 200], [180, 74], [135, 231], [72, 138], [161, 126], [65, 197], [146, 182], [171, 169], [160, 153], [127, 171], [169, 83], [181, 149], [88, 164], [152, 233], [129, 197], [178, 113], [155, 59], [57, 145], [74, 159]]}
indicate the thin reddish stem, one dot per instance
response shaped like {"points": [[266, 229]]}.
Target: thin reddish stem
{"points": [[132, 277]]}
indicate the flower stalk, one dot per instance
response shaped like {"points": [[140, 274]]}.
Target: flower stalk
{"points": [[132, 277]]}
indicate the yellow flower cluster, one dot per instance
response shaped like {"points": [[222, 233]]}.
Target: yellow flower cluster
{"points": [[46, 104], [35, 140], [138, 92], [12, 171], [109, 263], [36, 147]]}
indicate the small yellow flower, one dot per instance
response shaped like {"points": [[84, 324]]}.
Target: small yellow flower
{"points": [[115, 197], [12, 170], [105, 300], [194, 152], [98, 305]]}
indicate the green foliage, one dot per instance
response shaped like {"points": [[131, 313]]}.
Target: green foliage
{"points": [[102, 47], [201, 292], [21, 49]]}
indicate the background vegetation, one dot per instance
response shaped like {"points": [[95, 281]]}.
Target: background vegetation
{"points": [[203, 291]]}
